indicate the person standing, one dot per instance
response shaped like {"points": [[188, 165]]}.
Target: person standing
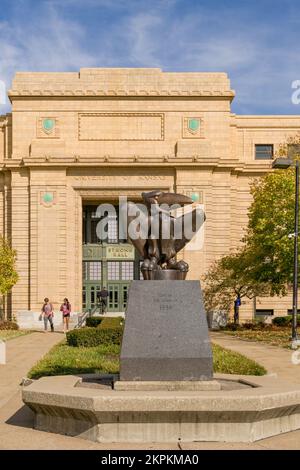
{"points": [[237, 304], [66, 312], [103, 298], [47, 314]]}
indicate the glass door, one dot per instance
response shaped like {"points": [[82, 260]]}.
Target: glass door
{"points": [[92, 273], [124, 296], [118, 296], [92, 294], [114, 297], [116, 276]]}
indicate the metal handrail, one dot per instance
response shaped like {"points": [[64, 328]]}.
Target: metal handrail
{"points": [[89, 313]]}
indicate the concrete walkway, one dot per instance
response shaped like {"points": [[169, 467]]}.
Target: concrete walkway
{"points": [[21, 354], [16, 420], [275, 360]]}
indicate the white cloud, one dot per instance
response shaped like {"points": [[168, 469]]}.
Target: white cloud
{"points": [[46, 43], [143, 33], [260, 65], [2, 93], [162, 34]]}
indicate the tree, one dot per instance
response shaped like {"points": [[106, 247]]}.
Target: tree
{"points": [[271, 224], [230, 279], [8, 273], [271, 221]]}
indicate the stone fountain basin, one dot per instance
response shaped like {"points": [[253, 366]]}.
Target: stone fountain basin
{"points": [[243, 409]]}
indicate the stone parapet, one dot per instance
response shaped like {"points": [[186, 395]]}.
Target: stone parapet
{"points": [[121, 82]]}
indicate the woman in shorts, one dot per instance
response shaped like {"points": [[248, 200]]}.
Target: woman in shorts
{"points": [[66, 312]]}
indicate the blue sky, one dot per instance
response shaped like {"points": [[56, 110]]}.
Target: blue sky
{"points": [[256, 43]]}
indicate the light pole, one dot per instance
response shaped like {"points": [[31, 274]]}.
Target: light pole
{"points": [[284, 163]]}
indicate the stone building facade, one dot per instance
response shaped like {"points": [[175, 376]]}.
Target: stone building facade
{"points": [[75, 140]]}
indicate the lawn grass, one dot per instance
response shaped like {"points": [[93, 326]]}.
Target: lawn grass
{"points": [[11, 334], [230, 362], [278, 336], [67, 360]]}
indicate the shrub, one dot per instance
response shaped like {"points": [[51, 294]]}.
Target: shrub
{"points": [[281, 321], [285, 321], [232, 327], [256, 326], [8, 325], [89, 336], [93, 321], [110, 335], [248, 326]]}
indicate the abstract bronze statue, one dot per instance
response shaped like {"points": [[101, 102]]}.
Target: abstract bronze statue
{"points": [[159, 250]]}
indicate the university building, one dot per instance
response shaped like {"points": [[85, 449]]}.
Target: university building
{"points": [[75, 140]]}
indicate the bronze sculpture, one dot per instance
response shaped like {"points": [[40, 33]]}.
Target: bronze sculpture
{"points": [[159, 250]]}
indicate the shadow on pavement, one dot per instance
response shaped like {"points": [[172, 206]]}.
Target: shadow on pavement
{"points": [[24, 417]]}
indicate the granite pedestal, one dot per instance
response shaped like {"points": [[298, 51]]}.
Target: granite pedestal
{"points": [[166, 334]]}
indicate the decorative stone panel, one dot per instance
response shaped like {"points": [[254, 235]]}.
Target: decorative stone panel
{"points": [[192, 127], [47, 127], [121, 126]]}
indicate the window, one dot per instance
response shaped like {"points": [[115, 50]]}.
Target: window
{"points": [[120, 270], [264, 312], [112, 230], [83, 297], [93, 235], [125, 296], [290, 311], [90, 224], [113, 270], [92, 270], [263, 152], [127, 270]]}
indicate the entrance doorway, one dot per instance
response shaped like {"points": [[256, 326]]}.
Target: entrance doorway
{"points": [[114, 275], [112, 265], [118, 294]]}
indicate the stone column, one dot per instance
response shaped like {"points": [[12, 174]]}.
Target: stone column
{"points": [[48, 237], [19, 205]]}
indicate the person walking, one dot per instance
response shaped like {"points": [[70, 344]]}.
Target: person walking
{"points": [[47, 314], [66, 312]]}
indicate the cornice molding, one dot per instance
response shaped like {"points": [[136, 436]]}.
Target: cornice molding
{"points": [[232, 165], [127, 93]]}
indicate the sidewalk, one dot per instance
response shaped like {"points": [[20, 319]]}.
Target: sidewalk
{"points": [[21, 354], [16, 420], [276, 360]]}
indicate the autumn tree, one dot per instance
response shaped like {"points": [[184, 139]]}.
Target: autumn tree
{"points": [[231, 278], [269, 234], [8, 273]]}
